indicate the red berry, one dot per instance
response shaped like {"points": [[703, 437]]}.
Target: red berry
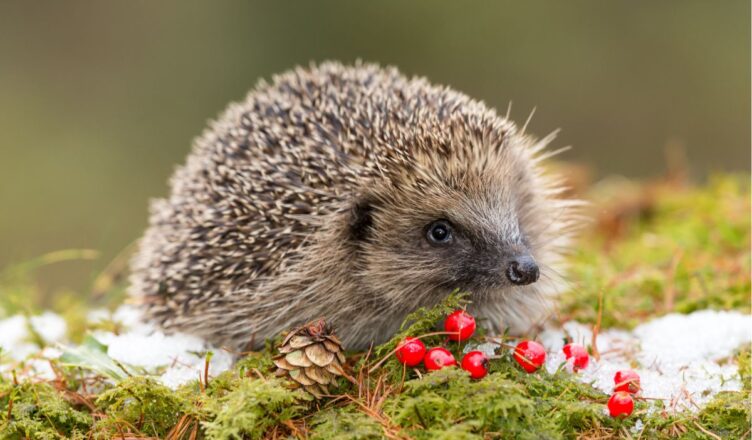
{"points": [[461, 325], [438, 358], [577, 355], [627, 380], [530, 355], [475, 363], [620, 404], [411, 351]]}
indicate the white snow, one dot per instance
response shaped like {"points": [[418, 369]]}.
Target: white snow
{"points": [[681, 359], [637, 428], [176, 358], [16, 343], [148, 350], [50, 326], [14, 333], [128, 316], [98, 315], [173, 359], [701, 336]]}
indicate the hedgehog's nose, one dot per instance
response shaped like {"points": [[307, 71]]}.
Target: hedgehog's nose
{"points": [[522, 270]]}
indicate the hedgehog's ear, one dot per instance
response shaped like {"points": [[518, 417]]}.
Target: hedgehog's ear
{"points": [[361, 219]]}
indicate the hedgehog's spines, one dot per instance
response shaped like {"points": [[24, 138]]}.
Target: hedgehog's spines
{"points": [[308, 199]]}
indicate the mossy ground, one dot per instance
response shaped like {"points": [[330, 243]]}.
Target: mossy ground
{"points": [[652, 249]]}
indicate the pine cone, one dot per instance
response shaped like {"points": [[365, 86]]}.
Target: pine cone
{"points": [[312, 357]]}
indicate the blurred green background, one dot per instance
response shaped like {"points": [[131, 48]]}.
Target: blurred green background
{"points": [[100, 100]]}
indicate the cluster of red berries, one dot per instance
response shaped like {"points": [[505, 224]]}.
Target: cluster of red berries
{"points": [[626, 384], [460, 326], [530, 355]]}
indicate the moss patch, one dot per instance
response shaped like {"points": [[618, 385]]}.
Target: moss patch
{"points": [[663, 248], [140, 406], [347, 423], [251, 409], [38, 410]]}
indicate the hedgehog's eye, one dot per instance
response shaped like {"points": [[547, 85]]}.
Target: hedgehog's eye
{"points": [[439, 233]]}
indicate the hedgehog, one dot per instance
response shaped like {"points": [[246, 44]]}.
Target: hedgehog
{"points": [[356, 194]]}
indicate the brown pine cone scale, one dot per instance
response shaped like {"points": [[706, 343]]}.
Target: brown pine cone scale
{"points": [[311, 357]]}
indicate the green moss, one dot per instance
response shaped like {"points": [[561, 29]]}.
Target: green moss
{"points": [[560, 398], [728, 415], [255, 362], [508, 403], [744, 361], [685, 249], [441, 400], [252, 408], [344, 424], [459, 431], [138, 405], [39, 411]]}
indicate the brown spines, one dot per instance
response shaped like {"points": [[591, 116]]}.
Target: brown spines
{"points": [[312, 357], [258, 233]]}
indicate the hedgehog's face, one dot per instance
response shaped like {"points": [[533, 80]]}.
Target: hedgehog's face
{"points": [[477, 258], [474, 233]]}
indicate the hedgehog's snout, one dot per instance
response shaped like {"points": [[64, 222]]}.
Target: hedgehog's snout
{"points": [[522, 270]]}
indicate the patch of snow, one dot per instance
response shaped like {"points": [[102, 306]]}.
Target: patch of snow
{"points": [[638, 426], [175, 358], [707, 335], [129, 316], [677, 355], [98, 315], [50, 326], [13, 338], [149, 350], [16, 344], [488, 348], [15, 335], [179, 374], [39, 369]]}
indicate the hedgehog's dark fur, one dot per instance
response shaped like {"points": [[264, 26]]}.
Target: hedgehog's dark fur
{"points": [[311, 199]]}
